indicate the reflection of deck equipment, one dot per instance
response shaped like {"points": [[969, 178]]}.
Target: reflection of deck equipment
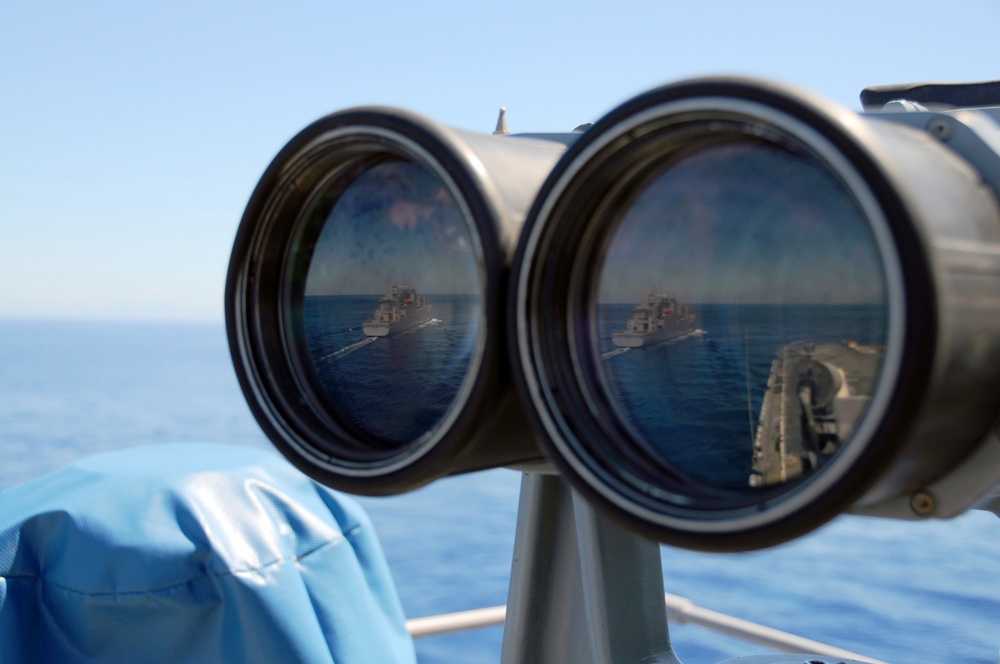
{"points": [[815, 395]]}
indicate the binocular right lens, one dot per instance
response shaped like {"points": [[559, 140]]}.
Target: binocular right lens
{"points": [[725, 255], [733, 300]]}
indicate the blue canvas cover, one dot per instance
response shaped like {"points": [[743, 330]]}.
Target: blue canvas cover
{"points": [[192, 553]]}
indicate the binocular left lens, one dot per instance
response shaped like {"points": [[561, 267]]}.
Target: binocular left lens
{"points": [[364, 299], [392, 235]]}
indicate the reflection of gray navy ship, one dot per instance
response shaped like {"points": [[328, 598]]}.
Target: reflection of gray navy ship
{"points": [[657, 319], [399, 309], [815, 395]]}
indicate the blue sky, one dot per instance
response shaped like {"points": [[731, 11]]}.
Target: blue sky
{"points": [[132, 134]]}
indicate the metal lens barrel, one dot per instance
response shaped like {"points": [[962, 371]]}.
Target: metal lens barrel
{"points": [[734, 317], [363, 300]]}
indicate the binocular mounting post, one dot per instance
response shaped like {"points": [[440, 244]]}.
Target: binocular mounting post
{"points": [[582, 589]]}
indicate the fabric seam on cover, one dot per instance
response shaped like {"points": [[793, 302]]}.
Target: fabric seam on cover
{"points": [[232, 572]]}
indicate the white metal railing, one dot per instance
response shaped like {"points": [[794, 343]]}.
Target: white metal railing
{"points": [[684, 610], [456, 622], [679, 610]]}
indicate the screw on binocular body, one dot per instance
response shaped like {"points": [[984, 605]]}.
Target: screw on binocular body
{"points": [[940, 127], [922, 503]]}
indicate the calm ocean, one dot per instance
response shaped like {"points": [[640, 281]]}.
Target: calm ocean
{"points": [[898, 591]]}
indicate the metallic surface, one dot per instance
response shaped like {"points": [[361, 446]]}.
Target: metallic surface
{"points": [[583, 590]]}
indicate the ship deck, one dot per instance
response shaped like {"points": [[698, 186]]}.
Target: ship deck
{"points": [[782, 449]]}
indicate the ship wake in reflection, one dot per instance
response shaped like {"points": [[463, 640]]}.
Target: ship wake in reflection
{"points": [[618, 350], [400, 384]]}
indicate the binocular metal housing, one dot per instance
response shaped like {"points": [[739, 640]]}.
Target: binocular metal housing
{"points": [[726, 312]]}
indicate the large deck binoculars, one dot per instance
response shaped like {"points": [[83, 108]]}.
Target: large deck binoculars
{"points": [[727, 311]]}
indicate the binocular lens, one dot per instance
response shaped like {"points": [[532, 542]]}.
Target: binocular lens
{"points": [[364, 300], [711, 313], [392, 302], [740, 315]]}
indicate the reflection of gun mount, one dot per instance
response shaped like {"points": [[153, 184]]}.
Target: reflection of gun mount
{"points": [[815, 395]]}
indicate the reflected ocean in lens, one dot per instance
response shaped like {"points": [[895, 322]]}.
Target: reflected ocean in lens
{"points": [[688, 397], [395, 387]]}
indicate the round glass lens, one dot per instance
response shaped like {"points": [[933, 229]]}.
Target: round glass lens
{"points": [[393, 302], [741, 315]]}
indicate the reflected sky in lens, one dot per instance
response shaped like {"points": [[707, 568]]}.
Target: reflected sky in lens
{"points": [[748, 223], [397, 222], [741, 315], [392, 305]]}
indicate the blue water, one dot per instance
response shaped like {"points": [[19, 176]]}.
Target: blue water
{"points": [[898, 591]]}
